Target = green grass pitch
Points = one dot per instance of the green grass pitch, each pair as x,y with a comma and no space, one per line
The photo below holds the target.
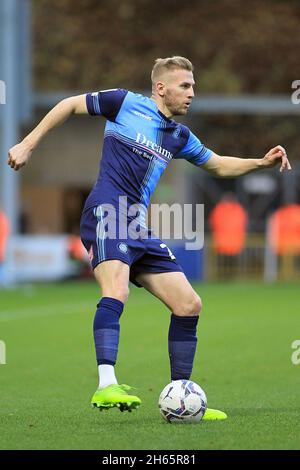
243,363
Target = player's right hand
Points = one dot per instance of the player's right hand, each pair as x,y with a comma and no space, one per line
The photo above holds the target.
19,155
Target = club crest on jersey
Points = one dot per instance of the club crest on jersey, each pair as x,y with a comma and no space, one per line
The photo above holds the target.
176,132
123,247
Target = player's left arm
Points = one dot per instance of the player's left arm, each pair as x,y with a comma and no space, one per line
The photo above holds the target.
229,167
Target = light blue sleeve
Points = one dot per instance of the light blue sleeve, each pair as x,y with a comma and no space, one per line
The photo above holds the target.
194,151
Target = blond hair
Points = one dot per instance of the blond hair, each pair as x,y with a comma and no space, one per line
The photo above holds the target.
170,63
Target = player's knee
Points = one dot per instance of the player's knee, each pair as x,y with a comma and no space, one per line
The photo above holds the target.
122,293
194,306
191,307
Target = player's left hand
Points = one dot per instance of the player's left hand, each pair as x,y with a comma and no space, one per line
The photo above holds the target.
274,156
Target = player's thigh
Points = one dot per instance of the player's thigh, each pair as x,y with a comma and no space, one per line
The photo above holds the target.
113,278
174,290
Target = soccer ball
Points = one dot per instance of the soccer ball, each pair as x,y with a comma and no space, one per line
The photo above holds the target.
182,401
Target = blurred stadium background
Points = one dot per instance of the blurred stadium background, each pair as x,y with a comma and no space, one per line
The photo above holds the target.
244,70
246,59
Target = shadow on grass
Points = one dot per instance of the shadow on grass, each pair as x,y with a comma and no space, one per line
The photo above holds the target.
237,412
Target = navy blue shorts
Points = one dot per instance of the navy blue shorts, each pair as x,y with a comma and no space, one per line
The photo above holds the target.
143,255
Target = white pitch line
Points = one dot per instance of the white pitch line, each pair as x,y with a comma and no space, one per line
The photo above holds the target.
54,309
45,310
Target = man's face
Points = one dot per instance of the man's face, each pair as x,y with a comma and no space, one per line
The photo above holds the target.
178,90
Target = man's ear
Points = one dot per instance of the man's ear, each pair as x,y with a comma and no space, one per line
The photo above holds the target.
160,88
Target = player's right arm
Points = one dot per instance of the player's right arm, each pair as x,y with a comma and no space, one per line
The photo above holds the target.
19,155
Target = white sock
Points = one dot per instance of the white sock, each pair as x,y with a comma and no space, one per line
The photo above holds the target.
106,375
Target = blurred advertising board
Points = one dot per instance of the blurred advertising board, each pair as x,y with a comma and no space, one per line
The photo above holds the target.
37,258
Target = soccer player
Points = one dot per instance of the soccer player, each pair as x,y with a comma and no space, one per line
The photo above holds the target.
140,140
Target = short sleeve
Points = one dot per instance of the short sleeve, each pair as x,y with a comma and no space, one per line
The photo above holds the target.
194,151
106,103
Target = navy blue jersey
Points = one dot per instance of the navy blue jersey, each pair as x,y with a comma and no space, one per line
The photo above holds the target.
139,143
